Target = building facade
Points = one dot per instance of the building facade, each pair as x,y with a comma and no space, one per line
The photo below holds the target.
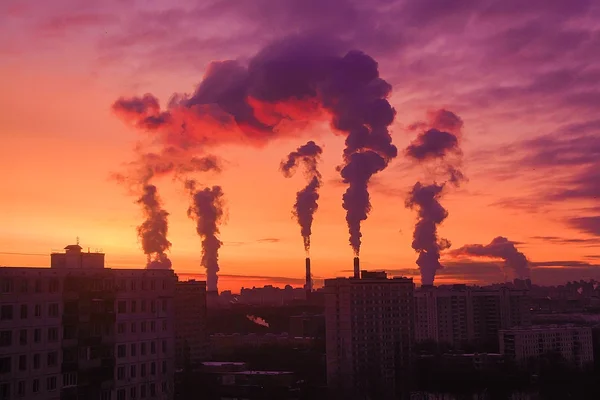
191,336
573,343
461,315
78,330
369,335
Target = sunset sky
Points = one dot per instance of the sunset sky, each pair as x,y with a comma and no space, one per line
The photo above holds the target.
524,76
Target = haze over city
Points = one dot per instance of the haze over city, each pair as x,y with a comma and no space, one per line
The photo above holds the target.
496,118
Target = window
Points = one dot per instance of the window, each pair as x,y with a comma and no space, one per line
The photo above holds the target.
133,327
143,305
164,346
52,334
132,393
6,285
23,311
121,351
23,362
152,326
152,306
105,395
23,337
133,306
36,361
133,286
122,307
5,365
37,311
133,349
121,394
21,389
132,371
164,387
120,373
37,335
152,389
70,379
152,347
164,325
152,284
164,284
143,285
51,383
6,312
164,305
121,327
23,286
52,359
38,286
143,348
5,338
164,367
143,327
53,286
143,391
36,386
53,310
152,368
143,370
4,391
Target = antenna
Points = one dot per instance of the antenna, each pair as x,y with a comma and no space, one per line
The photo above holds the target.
77,240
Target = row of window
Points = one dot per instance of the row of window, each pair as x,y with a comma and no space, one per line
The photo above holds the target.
144,326
21,285
141,370
6,364
143,391
21,390
144,306
7,311
7,338
144,349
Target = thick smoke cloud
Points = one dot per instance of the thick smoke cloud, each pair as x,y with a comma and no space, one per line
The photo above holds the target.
437,142
501,248
306,199
425,199
296,79
153,231
207,211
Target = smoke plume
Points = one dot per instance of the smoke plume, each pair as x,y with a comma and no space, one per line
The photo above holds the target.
207,211
258,320
501,248
437,142
295,80
425,199
153,231
306,199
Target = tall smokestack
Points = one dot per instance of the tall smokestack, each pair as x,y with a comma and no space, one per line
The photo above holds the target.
356,268
308,285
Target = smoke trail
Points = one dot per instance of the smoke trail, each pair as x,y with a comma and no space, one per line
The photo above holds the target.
425,198
437,142
207,211
297,79
306,199
501,248
153,231
258,320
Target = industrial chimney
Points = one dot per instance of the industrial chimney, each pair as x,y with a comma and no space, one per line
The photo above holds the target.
356,268
308,285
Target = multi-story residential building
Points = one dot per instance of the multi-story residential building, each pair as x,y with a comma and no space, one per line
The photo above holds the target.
460,314
574,343
78,330
369,335
191,337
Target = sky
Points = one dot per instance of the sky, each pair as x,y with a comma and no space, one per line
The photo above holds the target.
524,78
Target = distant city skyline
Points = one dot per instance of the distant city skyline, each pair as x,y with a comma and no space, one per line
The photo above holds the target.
523,90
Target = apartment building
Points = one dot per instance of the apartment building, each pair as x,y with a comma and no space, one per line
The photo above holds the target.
369,335
78,330
574,343
191,336
460,314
